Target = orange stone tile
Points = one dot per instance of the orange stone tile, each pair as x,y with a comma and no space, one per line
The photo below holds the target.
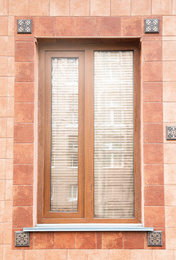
141,254
11,48
169,91
2,189
10,66
23,153
3,66
18,7
153,133
23,175
120,7
8,190
24,112
169,71
112,240
64,240
59,7
154,195
154,216
10,107
85,240
153,153
8,211
24,72
10,89
133,240
7,233
3,87
9,147
170,174
161,7
34,255
2,211
169,114
65,26
152,50
99,9
153,174
109,26
169,25
140,7
99,240
79,7
89,29
43,240
170,238
3,127
77,254
11,26
10,254
22,195
98,254
3,145
4,7
10,126
2,169
24,92
152,113
45,26
39,7
163,255
56,254
169,50
170,213
118,254
24,51
169,153
4,45
23,133
170,195
22,217
152,71
9,169
131,26
3,25
152,92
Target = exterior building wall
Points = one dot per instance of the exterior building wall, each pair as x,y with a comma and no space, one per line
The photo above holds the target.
18,106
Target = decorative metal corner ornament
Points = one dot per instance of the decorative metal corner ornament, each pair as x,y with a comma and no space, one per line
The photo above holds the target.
154,238
151,25
24,26
22,238
170,132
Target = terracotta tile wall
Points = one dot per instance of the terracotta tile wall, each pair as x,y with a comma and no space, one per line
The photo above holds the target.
158,57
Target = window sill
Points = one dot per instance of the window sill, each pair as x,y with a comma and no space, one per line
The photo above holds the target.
87,227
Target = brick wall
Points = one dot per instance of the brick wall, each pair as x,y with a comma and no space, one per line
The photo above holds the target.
17,87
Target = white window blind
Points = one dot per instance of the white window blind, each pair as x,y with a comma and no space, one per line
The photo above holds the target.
64,143
113,134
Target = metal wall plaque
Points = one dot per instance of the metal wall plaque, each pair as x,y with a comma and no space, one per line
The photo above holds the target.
171,132
24,26
151,25
22,238
154,238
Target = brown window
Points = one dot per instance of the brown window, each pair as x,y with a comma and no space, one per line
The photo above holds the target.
89,131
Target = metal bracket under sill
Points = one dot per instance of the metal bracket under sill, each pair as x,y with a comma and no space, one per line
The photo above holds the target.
87,227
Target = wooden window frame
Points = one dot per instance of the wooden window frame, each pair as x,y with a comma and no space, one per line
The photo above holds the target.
84,48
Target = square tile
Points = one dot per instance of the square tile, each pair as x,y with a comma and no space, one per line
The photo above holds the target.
22,238
151,25
24,26
154,238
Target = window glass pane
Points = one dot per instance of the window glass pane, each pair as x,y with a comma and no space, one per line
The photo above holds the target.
113,134
64,143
